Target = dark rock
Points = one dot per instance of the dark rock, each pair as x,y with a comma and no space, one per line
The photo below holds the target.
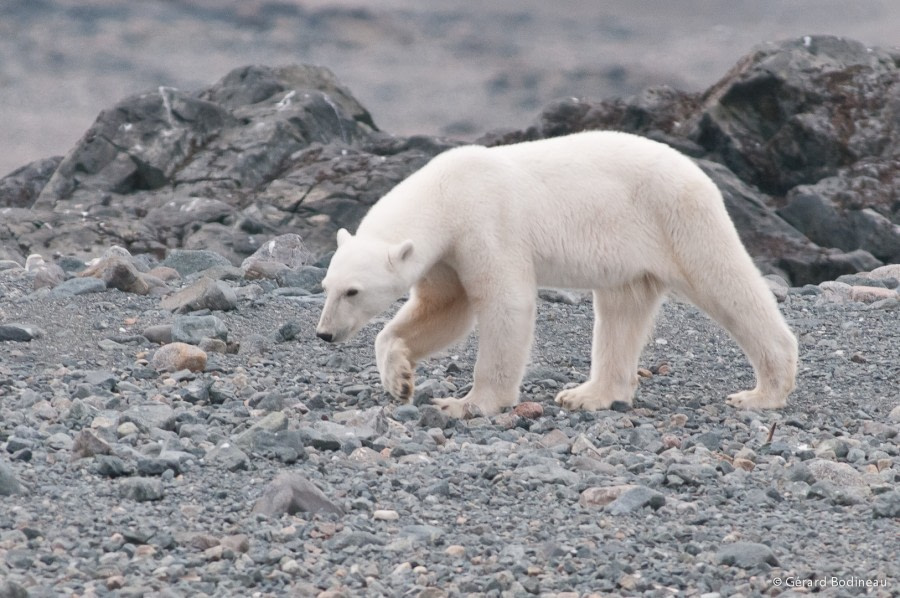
308,278
142,489
112,466
21,333
794,112
887,505
79,286
22,186
292,493
288,332
160,334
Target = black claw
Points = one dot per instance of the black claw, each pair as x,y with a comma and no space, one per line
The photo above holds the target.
405,390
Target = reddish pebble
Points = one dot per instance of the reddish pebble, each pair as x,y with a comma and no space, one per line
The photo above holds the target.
529,410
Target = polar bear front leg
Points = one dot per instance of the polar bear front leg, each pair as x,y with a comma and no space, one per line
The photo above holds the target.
622,321
505,334
437,314
394,365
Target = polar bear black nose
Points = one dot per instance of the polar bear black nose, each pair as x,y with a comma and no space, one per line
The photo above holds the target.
325,336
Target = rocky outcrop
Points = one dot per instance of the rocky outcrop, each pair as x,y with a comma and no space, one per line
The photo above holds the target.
261,152
803,138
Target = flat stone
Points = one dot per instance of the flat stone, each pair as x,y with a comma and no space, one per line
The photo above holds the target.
142,489
292,493
746,555
193,329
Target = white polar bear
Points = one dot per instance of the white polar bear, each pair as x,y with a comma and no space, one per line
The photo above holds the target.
477,230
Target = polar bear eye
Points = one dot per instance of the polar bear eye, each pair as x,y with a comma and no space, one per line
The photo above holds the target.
351,293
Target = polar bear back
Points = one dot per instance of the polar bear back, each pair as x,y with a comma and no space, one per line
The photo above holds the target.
586,210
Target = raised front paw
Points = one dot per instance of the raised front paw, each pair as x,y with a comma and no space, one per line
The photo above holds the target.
396,371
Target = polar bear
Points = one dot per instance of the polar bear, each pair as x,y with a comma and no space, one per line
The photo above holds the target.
475,232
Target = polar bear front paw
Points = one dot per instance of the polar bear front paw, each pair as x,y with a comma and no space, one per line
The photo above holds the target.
457,408
754,399
397,371
587,397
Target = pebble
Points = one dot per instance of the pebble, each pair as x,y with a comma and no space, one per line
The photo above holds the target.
292,493
179,356
142,489
746,555
385,515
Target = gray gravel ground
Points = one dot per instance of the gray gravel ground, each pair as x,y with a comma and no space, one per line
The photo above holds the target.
680,495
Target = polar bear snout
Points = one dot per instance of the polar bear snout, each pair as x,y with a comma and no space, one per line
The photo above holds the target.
325,336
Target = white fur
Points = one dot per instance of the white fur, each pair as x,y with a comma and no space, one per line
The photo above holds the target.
477,230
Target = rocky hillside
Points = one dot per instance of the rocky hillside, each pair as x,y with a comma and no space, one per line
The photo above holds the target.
803,137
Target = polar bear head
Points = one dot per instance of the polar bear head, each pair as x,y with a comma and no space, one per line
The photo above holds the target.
364,279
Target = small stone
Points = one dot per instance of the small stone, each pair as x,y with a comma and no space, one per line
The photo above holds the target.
601,496
142,489
308,278
79,286
9,485
635,499
292,493
228,457
127,429
746,555
456,551
385,515
887,505
529,410
175,357
894,415
21,333
118,273
160,334
644,373
213,345
206,293
87,445
745,464
193,329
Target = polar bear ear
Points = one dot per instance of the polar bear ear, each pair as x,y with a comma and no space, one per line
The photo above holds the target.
400,252
343,236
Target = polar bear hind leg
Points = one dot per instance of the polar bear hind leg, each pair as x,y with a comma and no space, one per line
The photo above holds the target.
623,318
719,277
437,314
